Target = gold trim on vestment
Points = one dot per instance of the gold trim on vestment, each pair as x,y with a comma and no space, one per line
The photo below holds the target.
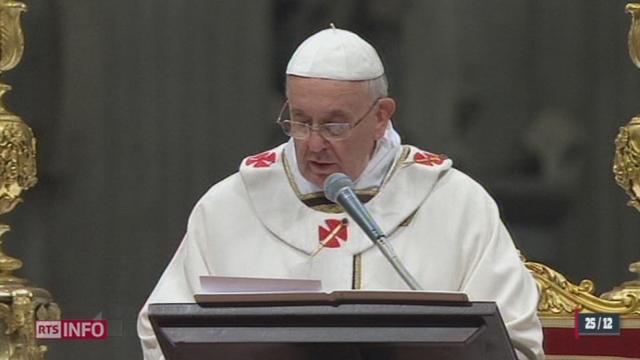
285,165
408,220
357,272
405,153
370,191
328,208
331,208
335,208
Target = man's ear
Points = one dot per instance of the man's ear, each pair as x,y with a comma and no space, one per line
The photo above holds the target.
386,109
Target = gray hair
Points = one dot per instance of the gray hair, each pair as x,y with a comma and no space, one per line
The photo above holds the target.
377,88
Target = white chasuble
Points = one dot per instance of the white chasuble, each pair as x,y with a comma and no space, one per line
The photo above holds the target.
444,227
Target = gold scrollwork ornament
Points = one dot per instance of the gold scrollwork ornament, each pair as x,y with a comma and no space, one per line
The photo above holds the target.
560,297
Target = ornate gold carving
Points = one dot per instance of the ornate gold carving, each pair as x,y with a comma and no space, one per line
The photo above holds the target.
20,306
19,316
627,288
11,39
560,297
626,162
17,144
8,264
17,160
634,33
20,303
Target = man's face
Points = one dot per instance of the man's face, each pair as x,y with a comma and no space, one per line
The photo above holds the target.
318,101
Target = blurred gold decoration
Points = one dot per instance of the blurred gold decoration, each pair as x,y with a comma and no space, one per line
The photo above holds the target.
20,303
560,297
626,162
634,33
628,287
11,39
20,310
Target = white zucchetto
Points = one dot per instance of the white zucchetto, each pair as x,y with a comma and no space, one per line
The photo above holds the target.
336,54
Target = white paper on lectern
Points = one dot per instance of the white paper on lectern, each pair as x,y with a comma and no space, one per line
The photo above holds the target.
228,284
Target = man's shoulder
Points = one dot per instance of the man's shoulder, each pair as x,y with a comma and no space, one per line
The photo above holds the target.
263,160
462,181
225,186
233,186
452,182
463,191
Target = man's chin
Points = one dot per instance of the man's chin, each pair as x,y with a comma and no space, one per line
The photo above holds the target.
318,178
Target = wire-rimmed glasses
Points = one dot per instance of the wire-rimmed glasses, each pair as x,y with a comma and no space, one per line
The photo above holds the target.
330,130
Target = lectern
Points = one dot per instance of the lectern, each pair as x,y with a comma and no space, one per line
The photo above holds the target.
291,326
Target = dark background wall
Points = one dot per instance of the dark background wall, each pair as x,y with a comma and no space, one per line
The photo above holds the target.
139,106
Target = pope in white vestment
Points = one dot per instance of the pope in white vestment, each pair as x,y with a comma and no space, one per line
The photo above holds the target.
269,219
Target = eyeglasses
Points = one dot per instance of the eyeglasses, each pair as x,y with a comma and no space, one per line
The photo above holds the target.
330,131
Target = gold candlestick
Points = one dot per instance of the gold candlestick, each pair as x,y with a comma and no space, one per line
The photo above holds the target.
20,303
626,163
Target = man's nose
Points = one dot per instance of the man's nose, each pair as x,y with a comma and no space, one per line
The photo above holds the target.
316,142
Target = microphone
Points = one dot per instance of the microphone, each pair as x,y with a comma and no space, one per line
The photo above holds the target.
338,188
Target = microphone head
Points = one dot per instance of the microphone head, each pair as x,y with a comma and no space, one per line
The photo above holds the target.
334,183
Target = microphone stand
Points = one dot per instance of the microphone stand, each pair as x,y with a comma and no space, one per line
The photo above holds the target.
391,256
338,188
362,217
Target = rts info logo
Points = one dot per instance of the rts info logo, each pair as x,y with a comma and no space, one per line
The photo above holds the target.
72,329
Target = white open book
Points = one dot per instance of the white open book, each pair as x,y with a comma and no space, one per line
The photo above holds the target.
223,289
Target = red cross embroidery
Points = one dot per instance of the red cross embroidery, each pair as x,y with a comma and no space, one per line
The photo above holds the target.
328,236
428,159
264,159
